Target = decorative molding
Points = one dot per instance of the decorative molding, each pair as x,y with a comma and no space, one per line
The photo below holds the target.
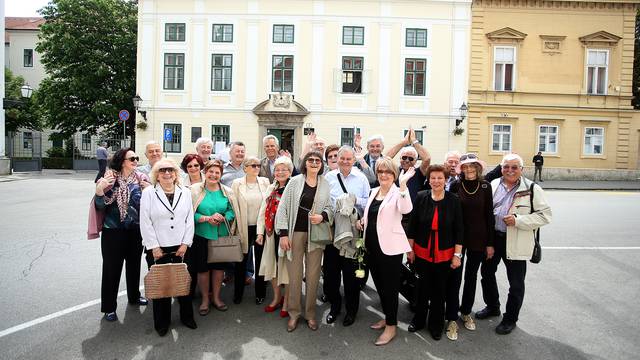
552,44
506,35
600,38
563,5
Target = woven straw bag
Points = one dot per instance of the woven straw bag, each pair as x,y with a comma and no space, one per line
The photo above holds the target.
167,280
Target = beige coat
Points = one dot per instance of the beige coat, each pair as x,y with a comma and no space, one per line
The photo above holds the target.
269,267
239,188
198,193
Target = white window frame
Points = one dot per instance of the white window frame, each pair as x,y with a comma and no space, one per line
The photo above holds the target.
357,128
501,142
546,141
180,138
586,73
417,131
584,141
513,71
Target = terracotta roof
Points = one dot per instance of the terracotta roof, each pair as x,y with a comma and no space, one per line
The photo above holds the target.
21,23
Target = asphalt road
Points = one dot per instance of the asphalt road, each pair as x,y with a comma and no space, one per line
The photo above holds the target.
581,301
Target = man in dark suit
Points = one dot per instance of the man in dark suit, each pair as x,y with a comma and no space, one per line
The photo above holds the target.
538,161
271,146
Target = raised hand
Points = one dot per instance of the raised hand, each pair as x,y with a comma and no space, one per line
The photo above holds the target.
406,176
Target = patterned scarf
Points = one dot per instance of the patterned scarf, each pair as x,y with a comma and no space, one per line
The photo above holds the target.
272,207
122,193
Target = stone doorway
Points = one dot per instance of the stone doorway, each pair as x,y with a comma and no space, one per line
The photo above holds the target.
283,117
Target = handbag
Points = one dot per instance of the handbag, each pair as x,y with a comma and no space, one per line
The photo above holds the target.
320,234
537,249
225,249
167,280
409,284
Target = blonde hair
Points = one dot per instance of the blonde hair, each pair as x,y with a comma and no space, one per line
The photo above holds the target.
165,163
250,160
386,163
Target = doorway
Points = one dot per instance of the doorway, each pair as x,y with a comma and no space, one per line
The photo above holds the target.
285,137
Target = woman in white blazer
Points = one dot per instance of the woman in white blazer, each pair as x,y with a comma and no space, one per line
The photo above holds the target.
166,225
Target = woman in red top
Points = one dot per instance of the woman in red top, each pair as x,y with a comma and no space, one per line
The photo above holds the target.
437,248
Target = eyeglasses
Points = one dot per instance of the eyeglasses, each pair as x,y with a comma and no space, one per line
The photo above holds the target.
133,158
382,172
166,170
468,156
255,166
314,161
193,166
407,158
332,156
512,167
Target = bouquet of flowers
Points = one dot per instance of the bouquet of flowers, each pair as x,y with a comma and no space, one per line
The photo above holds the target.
360,251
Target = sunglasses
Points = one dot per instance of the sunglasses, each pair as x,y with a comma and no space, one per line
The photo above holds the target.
468,156
133,158
382,172
193,166
512,167
407,158
167,170
314,161
332,156
255,166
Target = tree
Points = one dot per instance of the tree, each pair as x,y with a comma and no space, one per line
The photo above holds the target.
88,49
24,115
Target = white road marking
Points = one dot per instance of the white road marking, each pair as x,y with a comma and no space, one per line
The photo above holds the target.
591,247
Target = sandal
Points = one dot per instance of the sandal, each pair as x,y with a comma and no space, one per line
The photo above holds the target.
222,307
203,311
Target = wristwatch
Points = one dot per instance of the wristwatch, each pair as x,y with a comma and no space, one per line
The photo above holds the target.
415,142
458,255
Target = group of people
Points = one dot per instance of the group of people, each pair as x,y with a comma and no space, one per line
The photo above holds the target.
319,218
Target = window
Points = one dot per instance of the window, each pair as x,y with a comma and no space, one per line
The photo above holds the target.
172,138
347,135
419,135
86,142
173,71
283,34
414,76
593,141
27,140
196,133
221,66
57,142
28,58
222,33
548,139
501,138
503,60
174,32
220,133
597,63
352,74
353,35
282,73
416,38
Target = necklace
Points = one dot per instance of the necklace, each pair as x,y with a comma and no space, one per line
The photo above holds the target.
252,186
467,191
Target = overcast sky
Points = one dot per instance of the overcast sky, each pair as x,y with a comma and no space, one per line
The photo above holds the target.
23,7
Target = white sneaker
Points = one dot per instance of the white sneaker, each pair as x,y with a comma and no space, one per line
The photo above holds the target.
469,324
452,331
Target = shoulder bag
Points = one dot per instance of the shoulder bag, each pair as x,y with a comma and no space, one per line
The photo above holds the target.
320,234
226,248
537,249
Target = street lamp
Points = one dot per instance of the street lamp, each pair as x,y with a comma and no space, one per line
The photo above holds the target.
137,100
26,91
464,110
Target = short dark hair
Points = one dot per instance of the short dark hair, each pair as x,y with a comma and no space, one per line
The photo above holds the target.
118,158
214,163
303,162
437,168
189,158
330,148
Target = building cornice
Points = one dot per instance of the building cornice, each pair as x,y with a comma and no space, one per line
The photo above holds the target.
557,4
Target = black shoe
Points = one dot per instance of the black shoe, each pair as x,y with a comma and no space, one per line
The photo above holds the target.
436,335
162,331
348,320
191,324
141,301
505,327
487,312
259,300
331,318
413,327
324,298
237,300
112,316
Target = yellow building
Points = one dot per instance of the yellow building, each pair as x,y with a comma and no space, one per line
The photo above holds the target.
238,70
555,77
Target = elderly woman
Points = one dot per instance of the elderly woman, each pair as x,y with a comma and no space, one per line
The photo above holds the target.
204,147
118,195
166,224
386,241
331,156
305,203
192,165
477,210
250,191
272,266
435,234
212,204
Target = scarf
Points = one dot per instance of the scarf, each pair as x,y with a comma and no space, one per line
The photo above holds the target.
272,207
121,193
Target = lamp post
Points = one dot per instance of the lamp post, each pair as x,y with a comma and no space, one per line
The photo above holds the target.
464,110
137,101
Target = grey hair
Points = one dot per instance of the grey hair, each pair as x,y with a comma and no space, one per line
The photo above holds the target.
272,137
345,148
235,143
375,137
410,149
510,157
283,160
150,142
451,153
203,140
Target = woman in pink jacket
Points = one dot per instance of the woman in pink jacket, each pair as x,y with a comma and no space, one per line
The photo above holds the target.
386,241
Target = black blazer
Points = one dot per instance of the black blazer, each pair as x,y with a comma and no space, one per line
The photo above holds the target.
450,225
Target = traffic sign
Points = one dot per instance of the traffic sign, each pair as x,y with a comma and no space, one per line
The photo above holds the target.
123,115
168,134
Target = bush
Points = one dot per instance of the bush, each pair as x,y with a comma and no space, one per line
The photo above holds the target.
55,152
57,163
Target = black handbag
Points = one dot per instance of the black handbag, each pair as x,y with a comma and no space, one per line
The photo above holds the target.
409,284
537,249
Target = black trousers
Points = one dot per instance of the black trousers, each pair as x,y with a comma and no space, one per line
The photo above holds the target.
433,288
516,273
118,246
336,267
474,259
162,307
453,292
102,167
537,171
241,268
385,271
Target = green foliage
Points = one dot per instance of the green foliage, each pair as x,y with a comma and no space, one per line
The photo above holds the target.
55,152
25,114
88,49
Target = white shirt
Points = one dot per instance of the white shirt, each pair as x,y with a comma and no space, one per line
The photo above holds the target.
356,183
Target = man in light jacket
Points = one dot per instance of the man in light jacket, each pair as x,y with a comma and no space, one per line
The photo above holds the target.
515,228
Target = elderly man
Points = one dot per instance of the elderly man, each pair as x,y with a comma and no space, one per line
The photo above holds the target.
153,152
204,147
367,163
515,226
451,161
345,180
314,143
409,149
271,146
233,169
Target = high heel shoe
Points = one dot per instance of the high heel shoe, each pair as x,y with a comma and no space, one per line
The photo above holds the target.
284,313
273,308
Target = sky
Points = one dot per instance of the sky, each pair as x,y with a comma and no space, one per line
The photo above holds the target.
23,8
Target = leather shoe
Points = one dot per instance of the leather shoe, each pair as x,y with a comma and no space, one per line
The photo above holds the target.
505,327
413,327
112,316
331,318
141,301
259,300
312,324
190,323
436,335
284,313
292,324
162,331
237,300
324,298
487,312
348,320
